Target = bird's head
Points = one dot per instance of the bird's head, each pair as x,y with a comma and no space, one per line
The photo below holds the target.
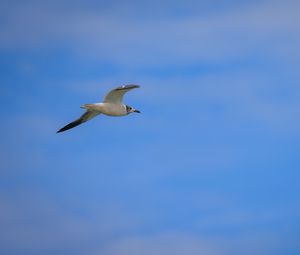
129,109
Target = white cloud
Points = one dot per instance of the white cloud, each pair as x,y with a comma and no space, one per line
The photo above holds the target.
237,33
167,244
177,243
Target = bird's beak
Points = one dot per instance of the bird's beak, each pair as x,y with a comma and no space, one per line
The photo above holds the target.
136,111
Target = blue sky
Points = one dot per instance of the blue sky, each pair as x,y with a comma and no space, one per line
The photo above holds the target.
211,166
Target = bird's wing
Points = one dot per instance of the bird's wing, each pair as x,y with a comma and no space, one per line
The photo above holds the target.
116,95
83,118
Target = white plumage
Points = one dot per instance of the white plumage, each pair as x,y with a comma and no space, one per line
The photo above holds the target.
112,106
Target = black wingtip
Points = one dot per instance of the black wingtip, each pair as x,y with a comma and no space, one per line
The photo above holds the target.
71,125
134,85
61,130
129,86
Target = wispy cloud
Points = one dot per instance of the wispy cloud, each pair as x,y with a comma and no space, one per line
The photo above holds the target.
261,28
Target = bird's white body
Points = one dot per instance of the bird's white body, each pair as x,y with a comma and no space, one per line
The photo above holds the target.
112,106
110,109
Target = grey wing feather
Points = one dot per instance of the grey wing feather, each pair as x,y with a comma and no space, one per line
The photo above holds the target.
116,95
83,118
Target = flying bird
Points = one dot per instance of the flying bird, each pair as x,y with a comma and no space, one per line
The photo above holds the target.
112,106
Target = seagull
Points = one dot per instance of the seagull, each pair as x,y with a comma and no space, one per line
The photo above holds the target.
112,106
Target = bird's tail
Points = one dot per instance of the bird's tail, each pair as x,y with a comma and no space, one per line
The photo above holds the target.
86,106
